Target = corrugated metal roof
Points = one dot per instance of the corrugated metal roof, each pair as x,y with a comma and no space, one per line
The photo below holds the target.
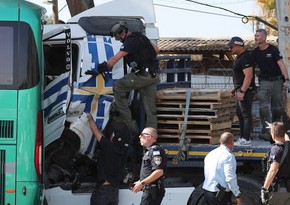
199,45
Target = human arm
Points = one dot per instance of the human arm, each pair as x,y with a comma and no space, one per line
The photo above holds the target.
248,72
155,48
230,166
156,174
283,68
274,167
113,60
94,128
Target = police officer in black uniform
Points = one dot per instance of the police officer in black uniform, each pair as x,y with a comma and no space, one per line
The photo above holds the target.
153,169
278,176
111,162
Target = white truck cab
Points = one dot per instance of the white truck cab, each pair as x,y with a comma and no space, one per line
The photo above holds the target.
70,50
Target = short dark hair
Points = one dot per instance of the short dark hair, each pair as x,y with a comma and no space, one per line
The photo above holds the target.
278,129
263,31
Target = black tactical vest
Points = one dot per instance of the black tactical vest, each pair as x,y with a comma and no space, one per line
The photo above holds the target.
146,54
284,170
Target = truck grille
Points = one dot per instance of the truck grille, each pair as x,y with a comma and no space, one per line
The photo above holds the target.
6,129
2,176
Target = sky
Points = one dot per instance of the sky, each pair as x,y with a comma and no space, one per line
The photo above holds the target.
184,18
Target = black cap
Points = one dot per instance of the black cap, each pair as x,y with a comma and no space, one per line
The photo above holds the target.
235,41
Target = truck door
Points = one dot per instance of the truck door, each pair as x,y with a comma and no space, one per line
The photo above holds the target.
58,79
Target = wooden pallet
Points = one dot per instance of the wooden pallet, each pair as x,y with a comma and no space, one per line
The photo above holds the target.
210,113
197,139
179,94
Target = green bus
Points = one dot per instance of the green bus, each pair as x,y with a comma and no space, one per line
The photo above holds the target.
21,62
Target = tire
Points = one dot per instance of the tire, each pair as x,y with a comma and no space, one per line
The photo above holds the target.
250,188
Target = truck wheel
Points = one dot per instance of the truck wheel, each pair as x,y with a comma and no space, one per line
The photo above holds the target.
250,188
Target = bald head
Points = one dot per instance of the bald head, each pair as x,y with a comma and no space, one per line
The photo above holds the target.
151,131
226,138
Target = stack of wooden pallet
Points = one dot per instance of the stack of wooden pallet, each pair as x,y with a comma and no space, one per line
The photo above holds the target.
209,113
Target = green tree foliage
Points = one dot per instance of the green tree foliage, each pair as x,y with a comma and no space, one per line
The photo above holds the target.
268,13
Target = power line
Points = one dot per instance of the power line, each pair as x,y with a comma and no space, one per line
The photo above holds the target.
216,7
212,1
198,11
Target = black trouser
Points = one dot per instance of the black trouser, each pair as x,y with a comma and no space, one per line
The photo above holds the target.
244,113
210,198
105,195
147,198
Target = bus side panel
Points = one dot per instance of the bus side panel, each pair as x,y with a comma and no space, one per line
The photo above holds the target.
9,11
22,187
28,108
7,174
34,20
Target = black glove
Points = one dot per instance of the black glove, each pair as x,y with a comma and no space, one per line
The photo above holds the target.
91,72
102,67
264,195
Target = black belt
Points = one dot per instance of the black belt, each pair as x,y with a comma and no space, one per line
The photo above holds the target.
215,192
272,78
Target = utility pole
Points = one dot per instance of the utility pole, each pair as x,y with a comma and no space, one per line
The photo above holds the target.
55,19
54,3
78,6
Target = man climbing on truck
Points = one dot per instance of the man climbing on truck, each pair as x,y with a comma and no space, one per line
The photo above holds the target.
140,54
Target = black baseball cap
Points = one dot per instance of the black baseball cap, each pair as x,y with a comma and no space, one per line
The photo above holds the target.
235,41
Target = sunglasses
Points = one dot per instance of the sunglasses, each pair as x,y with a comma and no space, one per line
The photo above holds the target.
143,134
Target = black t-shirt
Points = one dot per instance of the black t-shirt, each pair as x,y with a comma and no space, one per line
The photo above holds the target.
276,152
139,50
267,61
243,61
154,158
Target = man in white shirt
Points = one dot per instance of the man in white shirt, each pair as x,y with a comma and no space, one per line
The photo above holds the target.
220,173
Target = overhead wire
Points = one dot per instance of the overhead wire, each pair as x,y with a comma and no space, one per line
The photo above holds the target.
245,19
216,7
198,11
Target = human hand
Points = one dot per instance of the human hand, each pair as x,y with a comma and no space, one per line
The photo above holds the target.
138,186
239,201
233,91
240,96
286,137
264,195
287,84
90,117
102,67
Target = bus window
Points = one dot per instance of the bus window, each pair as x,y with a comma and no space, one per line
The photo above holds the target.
19,65
6,55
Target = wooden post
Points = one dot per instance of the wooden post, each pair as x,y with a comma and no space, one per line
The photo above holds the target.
78,6
55,19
